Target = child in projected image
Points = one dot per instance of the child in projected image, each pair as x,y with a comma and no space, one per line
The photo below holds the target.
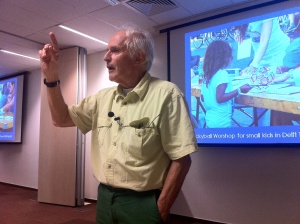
290,71
217,93
9,106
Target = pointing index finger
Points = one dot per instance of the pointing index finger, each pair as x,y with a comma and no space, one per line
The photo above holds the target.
54,42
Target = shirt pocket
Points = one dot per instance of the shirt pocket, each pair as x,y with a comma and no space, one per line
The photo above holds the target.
104,125
139,141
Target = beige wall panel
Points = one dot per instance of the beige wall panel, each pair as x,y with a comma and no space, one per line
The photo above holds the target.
57,153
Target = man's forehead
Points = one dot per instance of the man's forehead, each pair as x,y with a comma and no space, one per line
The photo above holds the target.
118,37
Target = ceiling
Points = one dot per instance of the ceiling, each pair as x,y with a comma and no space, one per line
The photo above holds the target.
25,24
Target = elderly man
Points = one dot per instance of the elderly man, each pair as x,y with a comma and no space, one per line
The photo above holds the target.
141,131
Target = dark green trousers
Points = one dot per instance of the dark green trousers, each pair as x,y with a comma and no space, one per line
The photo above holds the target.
123,206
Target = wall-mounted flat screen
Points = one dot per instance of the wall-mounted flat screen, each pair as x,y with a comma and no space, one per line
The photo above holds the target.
11,101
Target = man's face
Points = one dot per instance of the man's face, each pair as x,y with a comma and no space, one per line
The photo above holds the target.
118,61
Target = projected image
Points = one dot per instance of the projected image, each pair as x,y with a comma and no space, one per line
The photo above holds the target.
246,75
7,108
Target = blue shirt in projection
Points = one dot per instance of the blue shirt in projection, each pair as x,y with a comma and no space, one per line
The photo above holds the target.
277,44
2,99
218,115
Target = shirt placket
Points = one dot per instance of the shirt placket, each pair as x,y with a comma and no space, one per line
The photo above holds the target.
119,108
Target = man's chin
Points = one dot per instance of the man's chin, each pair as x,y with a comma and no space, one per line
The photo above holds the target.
113,79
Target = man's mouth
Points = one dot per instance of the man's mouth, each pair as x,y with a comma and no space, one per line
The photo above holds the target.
110,68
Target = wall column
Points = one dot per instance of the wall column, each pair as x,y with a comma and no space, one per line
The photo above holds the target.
61,152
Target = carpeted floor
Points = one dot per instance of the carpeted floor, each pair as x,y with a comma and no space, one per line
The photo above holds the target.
19,206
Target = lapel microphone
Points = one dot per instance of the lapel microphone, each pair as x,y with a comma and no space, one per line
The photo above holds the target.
112,114
138,124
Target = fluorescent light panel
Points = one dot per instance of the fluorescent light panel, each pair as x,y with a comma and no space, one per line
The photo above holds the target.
82,34
21,55
112,2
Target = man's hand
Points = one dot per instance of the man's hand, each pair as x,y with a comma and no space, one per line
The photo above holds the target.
175,178
49,59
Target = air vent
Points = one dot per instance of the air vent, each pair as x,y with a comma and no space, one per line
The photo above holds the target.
151,7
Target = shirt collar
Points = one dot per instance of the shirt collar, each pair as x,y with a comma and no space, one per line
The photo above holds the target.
140,89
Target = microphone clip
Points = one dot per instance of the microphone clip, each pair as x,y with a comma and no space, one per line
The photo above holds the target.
112,114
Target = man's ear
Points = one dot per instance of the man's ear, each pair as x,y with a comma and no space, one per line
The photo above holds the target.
140,58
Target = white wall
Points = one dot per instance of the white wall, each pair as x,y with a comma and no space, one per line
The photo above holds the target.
229,185
243,186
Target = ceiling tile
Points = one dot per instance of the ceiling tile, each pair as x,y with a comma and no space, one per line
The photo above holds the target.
199,6
46,9
119,15
14,64
67,39
169,16
87,5
17,15
241,1
15,29
93,27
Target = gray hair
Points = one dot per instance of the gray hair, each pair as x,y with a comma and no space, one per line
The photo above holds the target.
139,40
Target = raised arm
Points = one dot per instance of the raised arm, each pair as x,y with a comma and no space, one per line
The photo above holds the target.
49,64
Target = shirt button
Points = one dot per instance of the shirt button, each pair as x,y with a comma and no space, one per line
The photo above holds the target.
108,166
114,144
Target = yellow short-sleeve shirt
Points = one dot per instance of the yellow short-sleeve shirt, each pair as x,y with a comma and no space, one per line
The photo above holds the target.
150,126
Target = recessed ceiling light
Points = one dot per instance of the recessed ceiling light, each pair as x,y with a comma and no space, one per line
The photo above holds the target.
112,2
82,34
21,55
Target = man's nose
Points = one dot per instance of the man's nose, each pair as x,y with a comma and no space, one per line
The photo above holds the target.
107,56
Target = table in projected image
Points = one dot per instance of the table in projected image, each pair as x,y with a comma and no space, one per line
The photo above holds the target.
6,121
278,97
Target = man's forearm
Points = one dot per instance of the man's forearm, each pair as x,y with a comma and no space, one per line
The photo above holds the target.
58,107
175,178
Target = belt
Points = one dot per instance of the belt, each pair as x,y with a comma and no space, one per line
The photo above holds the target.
125,190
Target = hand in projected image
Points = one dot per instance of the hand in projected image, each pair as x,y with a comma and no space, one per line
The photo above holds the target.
248,71
49,59
245,88
281,78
